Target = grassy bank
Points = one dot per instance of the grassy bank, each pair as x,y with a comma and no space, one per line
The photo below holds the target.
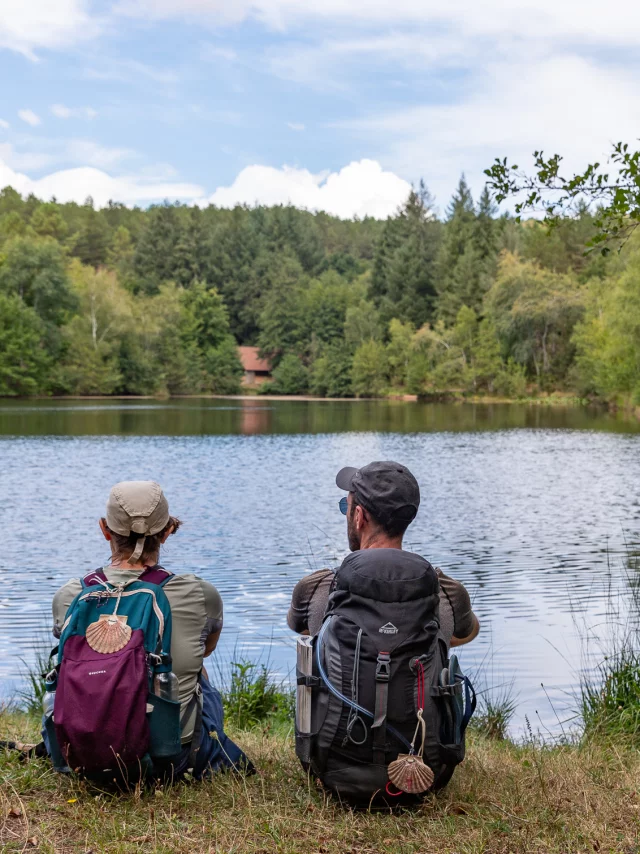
504,798
578,796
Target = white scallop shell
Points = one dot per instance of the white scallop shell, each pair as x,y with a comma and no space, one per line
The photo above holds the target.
108,634
410,774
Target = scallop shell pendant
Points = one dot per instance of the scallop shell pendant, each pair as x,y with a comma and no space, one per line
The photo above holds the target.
409,773
109,634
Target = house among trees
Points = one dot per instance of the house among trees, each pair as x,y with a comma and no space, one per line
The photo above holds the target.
256,370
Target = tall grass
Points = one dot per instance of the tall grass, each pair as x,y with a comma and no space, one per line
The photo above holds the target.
30,696
610,694
251,694
496,708
610,688
254,698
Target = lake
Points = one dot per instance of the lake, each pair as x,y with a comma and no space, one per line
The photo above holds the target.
535,509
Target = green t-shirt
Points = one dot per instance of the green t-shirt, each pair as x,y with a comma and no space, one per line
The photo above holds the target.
196,612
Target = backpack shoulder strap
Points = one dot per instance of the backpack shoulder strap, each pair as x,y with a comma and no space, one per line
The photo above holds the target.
94,578
378,727
156,575
153,575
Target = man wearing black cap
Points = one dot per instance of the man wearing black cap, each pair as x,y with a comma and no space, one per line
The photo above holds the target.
382,500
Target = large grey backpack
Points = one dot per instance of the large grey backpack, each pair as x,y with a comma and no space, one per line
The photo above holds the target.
379,658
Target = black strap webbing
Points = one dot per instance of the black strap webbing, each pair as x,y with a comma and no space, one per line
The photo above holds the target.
378,727
196,738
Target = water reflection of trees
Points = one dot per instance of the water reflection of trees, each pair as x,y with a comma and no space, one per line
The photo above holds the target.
218,416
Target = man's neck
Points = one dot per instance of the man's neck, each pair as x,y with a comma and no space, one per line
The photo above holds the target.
380,540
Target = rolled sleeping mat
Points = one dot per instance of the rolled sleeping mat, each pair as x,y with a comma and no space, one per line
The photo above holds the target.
304,668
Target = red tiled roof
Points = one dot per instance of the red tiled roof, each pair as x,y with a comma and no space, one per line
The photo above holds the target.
250,360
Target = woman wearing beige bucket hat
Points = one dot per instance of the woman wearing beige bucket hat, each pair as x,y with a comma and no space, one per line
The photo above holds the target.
136,524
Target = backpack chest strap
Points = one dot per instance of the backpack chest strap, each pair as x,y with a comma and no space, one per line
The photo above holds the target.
379,730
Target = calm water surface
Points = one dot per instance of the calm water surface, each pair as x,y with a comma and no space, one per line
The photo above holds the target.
536,510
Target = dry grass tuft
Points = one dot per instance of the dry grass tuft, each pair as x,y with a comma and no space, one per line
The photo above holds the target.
504,798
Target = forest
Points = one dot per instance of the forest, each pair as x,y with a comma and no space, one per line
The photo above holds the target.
154,302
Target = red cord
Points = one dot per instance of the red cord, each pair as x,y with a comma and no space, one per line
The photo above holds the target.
393,794
420,686
420,699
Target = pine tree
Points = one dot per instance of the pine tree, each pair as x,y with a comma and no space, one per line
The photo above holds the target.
487,228
154,259
486,242
238,267
403,280
457,276
91,243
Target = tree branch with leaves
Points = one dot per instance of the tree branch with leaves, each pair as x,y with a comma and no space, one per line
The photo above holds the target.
612,191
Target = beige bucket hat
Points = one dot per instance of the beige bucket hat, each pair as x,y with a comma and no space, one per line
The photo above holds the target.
137,507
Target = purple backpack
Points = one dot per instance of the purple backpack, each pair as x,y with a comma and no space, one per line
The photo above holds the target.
115,639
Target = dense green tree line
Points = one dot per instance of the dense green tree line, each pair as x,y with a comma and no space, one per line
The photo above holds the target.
131,301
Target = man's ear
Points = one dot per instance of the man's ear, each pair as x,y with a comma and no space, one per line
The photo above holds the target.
106,533
361,517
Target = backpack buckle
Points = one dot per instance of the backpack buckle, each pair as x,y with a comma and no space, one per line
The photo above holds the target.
383,667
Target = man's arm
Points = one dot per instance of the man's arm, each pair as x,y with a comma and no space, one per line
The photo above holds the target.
214,620
465,623
456,641
301,598
298,613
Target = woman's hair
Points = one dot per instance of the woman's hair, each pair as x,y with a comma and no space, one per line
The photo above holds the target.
124,544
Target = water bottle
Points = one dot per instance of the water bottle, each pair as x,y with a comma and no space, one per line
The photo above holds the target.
49,698
166,685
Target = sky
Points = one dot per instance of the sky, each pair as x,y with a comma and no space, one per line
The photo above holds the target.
338,105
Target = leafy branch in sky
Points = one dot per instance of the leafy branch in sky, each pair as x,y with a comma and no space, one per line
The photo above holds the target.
614,195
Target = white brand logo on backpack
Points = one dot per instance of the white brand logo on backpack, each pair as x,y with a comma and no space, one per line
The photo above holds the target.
388,629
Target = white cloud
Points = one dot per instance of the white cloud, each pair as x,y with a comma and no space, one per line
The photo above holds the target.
28,25
60,111
295,126
29,117
511,109
535,18
31,161
360,189
90,153
212,51
4,125
328,63
130,71
37,153
74,185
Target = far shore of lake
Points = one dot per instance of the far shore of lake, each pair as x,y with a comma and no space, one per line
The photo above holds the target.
553,399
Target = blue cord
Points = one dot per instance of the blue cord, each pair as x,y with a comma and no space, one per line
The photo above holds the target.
340,696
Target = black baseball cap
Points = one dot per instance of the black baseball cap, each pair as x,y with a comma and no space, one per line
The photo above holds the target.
387,490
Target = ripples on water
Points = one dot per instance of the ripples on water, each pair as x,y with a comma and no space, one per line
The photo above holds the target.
539,522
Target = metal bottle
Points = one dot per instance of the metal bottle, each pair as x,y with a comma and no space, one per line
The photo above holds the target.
166,685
